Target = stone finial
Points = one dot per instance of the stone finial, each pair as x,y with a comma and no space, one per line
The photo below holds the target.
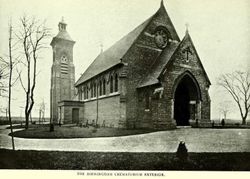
101,47
162,4
187,26
62,25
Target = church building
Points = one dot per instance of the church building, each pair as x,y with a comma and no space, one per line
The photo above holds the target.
148,79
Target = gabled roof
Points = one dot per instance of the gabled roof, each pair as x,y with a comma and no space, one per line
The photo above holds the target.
163,60
113,55
163,12
187,37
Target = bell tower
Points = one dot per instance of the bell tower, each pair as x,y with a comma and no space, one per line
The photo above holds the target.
62,70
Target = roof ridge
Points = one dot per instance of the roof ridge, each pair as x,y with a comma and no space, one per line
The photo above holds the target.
163,8
113,55
137,27
169,50
87,68
140,28
186,37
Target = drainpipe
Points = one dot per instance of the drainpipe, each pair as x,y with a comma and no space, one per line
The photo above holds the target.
172,109
96,104
199,110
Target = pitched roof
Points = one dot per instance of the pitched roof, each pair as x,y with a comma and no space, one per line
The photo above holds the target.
163,60
168,23
188,37
63,35
113,55
152,77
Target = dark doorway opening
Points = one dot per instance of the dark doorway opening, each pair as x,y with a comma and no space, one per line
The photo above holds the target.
186,93
181,105
75,115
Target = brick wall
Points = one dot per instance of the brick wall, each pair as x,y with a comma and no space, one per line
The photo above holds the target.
128,107
140,58
160,114
67,114
179,66
65,109
111,106
108,110
157,116
139,61
62,85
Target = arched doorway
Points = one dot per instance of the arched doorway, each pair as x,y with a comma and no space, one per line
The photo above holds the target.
186,98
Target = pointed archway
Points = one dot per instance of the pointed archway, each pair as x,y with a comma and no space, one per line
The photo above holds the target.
186,99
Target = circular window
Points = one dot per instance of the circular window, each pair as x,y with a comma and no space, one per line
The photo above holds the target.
161,36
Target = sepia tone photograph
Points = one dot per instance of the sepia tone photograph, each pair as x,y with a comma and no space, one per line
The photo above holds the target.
122,85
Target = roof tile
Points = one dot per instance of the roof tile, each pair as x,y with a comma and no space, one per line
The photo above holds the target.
158,66
113,55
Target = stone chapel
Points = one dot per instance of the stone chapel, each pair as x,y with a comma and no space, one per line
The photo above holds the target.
148,79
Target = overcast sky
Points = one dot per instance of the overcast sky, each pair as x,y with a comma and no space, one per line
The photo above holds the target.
220,30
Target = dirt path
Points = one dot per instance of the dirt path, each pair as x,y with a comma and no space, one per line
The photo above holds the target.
197,140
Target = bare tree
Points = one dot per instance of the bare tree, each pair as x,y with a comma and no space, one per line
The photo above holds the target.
32,36
3,82
7,73
4,74
225,108
41,112
238,85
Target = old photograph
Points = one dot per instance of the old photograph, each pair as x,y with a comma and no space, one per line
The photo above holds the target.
122,85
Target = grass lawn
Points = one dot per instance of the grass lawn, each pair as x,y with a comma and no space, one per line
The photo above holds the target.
28,159
42,132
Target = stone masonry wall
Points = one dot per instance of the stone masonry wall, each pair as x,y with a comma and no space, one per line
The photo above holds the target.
160,112
178,66
140,58
139,62
156,116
